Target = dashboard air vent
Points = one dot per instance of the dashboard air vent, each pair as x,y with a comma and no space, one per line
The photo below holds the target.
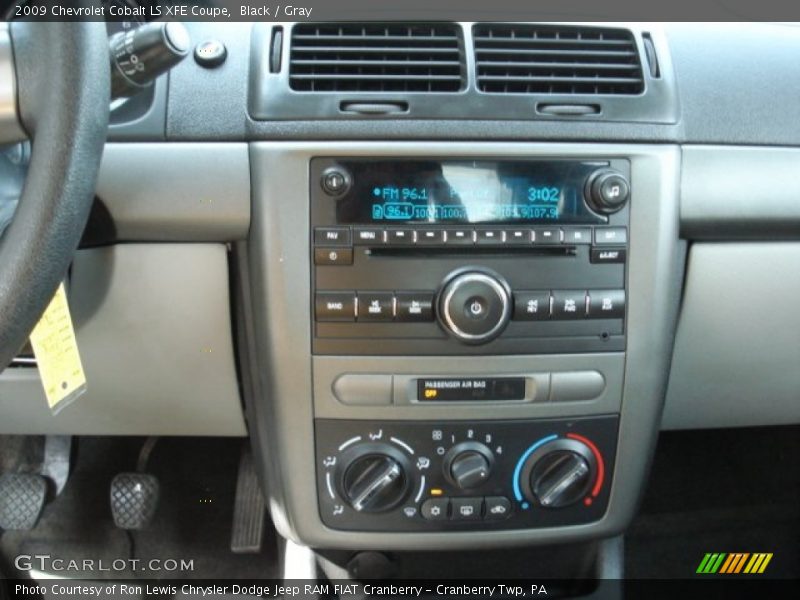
550,59
370,57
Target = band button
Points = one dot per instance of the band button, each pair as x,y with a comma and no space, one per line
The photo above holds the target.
335,306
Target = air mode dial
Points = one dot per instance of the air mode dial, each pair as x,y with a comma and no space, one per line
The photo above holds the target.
374,482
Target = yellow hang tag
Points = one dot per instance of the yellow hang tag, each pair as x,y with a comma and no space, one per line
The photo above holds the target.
56,352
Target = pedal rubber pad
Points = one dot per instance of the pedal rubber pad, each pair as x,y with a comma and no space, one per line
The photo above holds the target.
134,498
249,511
22,497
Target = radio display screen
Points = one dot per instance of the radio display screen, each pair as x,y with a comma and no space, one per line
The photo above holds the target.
458,191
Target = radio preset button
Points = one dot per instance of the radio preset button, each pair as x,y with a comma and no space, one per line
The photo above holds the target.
333,256
607,255
335,306
401,237
332,236
460,237
547,237
606,304
365,236
375,306
414,306
431,237
610,236
531,306
490,237
569,304
518,237
577,235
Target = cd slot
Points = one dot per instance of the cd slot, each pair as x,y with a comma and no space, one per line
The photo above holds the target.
472,251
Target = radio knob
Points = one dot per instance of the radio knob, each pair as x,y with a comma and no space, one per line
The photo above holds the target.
475,306
607,191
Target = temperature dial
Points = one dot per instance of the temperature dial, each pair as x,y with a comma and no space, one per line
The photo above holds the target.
558,474
375,482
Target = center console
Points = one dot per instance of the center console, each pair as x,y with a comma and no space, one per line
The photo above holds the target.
484,337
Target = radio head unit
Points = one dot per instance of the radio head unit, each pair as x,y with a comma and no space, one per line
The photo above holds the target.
454,256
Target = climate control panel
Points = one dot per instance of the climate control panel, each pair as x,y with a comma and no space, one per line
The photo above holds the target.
434,476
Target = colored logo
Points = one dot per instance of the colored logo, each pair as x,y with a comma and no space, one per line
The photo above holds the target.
734,563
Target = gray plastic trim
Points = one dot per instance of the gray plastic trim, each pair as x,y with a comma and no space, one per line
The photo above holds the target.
327,369
151,125
280,273
740,193
737,349
270,97
188,192
153,329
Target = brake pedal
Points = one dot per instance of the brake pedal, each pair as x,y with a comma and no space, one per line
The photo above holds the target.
134,498
249,512
22,498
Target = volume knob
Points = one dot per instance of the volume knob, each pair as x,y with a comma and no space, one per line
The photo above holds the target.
475,306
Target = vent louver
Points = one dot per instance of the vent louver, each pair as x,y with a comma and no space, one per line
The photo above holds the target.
376,58
549,59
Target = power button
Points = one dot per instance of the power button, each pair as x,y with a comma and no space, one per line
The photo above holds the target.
335,181
474,306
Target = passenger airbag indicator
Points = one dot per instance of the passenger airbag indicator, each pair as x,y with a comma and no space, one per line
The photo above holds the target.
468,389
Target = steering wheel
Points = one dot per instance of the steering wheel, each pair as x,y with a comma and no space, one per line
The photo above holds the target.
62,82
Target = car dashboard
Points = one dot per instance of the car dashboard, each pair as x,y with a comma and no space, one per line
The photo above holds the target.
452,300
